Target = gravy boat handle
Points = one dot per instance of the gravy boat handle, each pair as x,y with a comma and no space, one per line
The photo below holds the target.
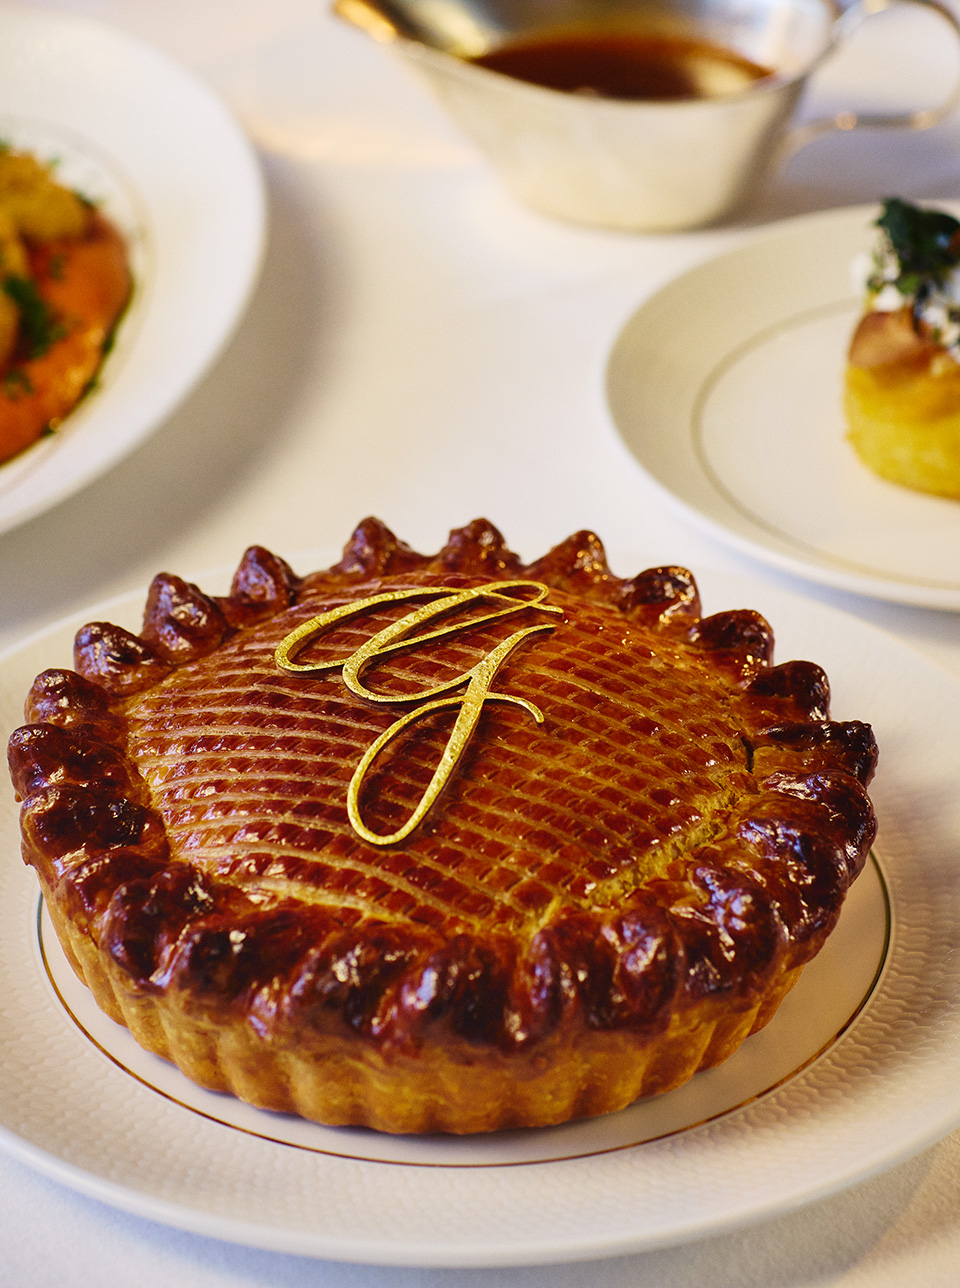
917,119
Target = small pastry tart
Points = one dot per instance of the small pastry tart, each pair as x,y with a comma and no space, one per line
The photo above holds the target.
440,843
902,383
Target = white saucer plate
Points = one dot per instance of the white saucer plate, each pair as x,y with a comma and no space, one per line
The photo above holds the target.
856,1072
161,155
726,387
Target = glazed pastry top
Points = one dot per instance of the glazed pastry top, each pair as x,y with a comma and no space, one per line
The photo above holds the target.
638,806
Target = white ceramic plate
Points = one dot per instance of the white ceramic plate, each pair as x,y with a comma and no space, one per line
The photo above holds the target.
141,135
726,387
857,1071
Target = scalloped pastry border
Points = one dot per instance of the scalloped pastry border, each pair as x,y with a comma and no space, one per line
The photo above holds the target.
394,1027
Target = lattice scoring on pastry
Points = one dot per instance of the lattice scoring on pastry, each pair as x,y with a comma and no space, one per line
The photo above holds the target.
596,905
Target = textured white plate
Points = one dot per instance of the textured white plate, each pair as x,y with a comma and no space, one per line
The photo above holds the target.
855,1073
136,132
726,387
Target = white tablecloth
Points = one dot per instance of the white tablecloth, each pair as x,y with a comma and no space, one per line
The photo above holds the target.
422,349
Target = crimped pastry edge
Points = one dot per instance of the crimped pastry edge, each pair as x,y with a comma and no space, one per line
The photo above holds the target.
342,1082
448,1082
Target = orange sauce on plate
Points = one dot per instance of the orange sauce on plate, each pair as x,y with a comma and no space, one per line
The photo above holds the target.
85,282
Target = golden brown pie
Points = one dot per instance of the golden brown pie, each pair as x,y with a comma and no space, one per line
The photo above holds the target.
448,843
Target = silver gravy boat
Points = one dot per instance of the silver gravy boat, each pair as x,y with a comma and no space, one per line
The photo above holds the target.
640,165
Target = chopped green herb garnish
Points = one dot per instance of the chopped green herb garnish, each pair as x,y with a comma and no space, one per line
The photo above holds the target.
926,244
40,329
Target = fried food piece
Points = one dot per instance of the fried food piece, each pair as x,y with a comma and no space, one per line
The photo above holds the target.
41,208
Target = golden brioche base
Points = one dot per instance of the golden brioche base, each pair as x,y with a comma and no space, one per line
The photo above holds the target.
337,1081
904,423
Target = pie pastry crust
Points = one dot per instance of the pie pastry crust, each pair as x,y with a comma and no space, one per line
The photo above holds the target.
597,904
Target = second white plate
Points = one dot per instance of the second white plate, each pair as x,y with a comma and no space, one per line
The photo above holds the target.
726,387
